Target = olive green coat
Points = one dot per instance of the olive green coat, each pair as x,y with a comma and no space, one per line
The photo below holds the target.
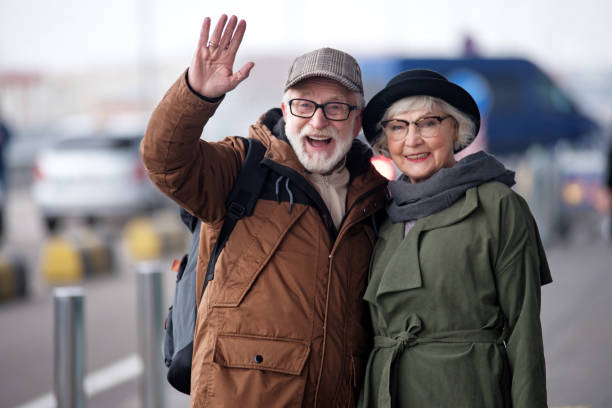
455,307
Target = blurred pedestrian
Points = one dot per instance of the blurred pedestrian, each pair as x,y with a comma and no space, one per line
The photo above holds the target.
608,191
609,168
282,324
5,138
454,289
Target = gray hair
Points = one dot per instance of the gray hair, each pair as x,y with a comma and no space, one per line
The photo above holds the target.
465,125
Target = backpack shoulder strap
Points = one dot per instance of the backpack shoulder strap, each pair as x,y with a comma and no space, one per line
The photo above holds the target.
241,200
249,182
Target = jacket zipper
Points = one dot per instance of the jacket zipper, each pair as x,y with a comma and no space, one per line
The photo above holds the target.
357,201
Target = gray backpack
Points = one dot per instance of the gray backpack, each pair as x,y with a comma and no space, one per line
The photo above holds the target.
180,323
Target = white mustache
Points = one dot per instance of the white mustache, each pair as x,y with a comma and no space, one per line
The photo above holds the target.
327,131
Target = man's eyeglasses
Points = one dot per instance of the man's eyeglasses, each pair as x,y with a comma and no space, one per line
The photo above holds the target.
304,108
427,126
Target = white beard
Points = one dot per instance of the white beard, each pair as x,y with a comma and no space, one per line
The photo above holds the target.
319,162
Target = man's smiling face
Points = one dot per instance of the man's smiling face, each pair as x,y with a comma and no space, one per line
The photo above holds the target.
320,143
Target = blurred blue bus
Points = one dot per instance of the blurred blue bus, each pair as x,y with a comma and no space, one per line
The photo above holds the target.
521,104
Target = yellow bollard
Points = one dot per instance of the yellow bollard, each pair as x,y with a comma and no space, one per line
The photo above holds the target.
142,239
97,254
61,261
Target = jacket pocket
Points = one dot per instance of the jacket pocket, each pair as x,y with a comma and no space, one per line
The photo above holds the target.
254,371
261,353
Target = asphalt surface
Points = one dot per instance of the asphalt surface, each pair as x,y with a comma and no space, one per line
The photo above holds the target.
577,324
110,316
576,320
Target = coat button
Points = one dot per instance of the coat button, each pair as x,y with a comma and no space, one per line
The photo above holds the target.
258,359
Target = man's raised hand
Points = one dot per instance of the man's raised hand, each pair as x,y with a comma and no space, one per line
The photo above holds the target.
211,71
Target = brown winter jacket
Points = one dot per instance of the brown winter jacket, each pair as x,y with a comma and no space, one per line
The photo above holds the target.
282,324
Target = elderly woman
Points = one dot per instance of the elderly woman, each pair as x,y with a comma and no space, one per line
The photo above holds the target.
454,289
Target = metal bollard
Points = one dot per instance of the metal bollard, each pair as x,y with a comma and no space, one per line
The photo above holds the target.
150,312
69,369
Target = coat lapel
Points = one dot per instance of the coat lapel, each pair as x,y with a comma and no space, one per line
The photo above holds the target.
393,268
396,265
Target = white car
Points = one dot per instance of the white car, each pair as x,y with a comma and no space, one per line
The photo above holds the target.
92,177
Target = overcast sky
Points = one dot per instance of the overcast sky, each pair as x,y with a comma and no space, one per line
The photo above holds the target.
72,35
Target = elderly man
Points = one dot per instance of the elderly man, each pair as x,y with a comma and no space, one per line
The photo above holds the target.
282,324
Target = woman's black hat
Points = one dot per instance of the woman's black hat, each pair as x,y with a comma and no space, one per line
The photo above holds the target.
418,82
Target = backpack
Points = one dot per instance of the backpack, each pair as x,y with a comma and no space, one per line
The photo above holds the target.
180,323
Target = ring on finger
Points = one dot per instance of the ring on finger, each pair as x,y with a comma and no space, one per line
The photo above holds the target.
212,44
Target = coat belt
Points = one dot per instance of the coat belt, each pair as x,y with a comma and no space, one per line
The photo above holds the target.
390,348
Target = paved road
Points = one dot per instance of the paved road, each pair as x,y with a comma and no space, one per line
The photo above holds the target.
26,326
576,318
577,324
26,350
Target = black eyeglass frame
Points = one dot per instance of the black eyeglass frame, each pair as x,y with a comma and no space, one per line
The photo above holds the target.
322,106
416,123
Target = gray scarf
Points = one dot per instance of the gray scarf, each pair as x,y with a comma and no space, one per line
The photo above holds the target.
412,201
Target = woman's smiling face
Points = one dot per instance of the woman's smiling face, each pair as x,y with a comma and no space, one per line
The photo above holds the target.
417,157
